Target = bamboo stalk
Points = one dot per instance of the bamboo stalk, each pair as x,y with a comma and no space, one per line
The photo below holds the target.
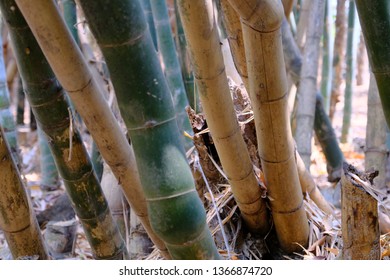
327,56
147,8
186,68
308,82
359,219
294,61
49,173
304,14
350,73
209,72
338,56
261,21
288,6
376,150
17,219
49,103
176,213
72,71
7,120
172,71
374,14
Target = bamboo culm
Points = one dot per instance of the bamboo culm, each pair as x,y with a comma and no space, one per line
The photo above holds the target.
176,213
172,70
49,103
17,218
308,86
74,74
350,72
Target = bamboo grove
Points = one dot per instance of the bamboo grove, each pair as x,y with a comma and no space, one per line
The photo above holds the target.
141,89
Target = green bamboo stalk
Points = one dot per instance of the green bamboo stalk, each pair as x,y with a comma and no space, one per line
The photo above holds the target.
375,22
186,68
17,218
328,141
172,71
327,56
70,17
147,9
376,149
97,161
7,120
350,76
49,173
175,210
49,103
20,104
308,83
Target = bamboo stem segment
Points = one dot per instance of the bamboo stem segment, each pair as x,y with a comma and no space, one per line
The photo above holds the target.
17,219
72,71
261,21
308,83
359,219
176,213
209,71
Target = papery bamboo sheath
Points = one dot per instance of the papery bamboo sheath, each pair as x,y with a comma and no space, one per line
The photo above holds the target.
72,71
359,220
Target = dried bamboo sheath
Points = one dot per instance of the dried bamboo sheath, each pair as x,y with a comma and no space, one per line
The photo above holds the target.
359,221
261,21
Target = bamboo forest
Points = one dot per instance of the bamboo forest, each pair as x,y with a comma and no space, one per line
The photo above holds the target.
194,129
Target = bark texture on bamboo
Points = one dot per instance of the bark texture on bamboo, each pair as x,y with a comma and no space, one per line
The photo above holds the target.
209,71
375,22
72,71
359,218
175,211
17,218
308,84
261,22
376,149
49,104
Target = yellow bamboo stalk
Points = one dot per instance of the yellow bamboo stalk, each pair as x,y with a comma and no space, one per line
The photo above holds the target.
261,22
202,37
234,31
72,71
17,219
